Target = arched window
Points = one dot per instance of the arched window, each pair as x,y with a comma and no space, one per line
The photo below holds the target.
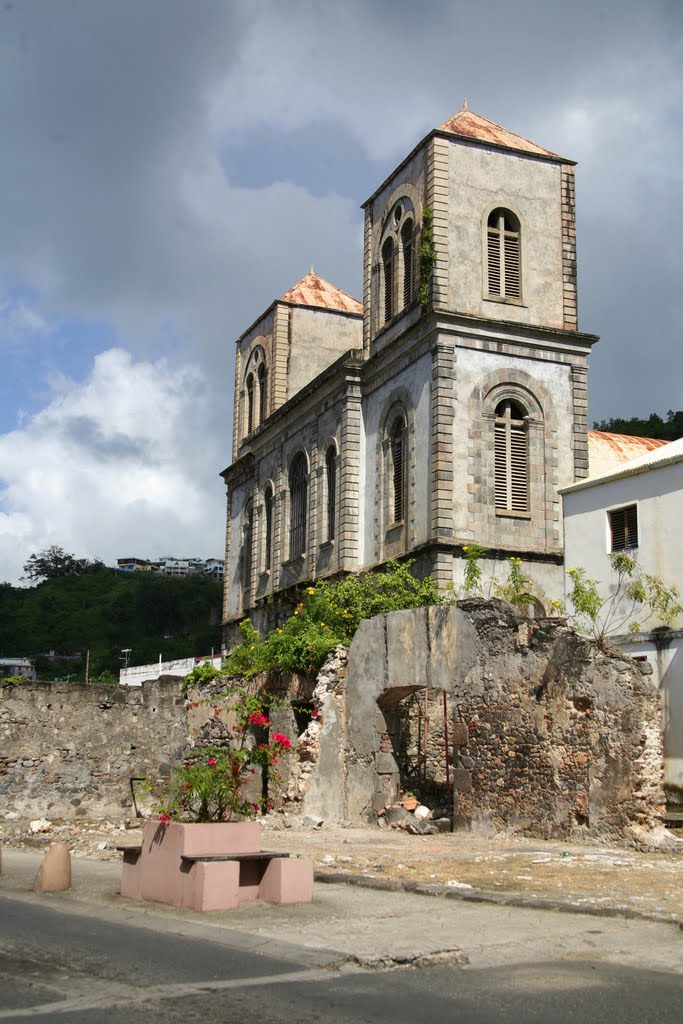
247,540
298,496
511,457
388,263
256,388
331,481
503,254
408,273
262,378
250,403
268,540
397,435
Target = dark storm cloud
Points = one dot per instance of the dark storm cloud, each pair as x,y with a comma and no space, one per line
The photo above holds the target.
171,167
84,432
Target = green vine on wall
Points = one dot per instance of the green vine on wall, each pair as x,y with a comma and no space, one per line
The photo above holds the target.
427,256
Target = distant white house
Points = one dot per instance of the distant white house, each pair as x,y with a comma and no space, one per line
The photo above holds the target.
17,667
136,675
171,566
637,508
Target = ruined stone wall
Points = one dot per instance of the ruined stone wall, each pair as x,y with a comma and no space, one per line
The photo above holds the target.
561,739
68,750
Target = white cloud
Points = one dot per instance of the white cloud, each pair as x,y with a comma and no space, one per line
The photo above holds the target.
123,464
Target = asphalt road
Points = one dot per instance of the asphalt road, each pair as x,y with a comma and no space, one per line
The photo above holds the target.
56,965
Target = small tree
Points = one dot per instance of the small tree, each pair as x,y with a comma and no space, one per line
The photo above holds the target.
55,562
634,593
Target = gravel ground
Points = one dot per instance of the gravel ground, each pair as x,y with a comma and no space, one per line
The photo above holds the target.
651,883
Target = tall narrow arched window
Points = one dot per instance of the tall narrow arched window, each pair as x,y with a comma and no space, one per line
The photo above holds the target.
247,545
262,384
503,254
250,403
388,264
298,497
408,273
331,481
511,457
268,539
397,435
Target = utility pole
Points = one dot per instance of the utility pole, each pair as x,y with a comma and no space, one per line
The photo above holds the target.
87,666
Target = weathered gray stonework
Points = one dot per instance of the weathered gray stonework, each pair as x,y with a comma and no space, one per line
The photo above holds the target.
69,750
562,740
547,736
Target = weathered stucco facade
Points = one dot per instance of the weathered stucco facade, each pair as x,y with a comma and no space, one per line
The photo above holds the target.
447,409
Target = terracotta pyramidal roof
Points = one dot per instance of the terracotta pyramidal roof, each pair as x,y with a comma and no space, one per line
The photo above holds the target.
473,126
313,290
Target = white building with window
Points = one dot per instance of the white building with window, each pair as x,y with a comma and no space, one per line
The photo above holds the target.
637,508
447,409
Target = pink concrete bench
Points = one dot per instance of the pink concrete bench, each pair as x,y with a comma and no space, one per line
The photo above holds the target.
172,870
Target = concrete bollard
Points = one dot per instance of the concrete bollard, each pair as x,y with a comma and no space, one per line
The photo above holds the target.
54,873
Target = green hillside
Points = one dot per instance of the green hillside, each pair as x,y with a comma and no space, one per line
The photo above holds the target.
104,611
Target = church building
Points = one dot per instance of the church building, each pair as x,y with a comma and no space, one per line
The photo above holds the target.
446,410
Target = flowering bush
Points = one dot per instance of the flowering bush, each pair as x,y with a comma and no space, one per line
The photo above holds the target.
209,785
328,615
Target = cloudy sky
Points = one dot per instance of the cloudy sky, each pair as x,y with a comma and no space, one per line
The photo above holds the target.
169,167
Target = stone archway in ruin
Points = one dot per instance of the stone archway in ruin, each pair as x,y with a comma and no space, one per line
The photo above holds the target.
391,658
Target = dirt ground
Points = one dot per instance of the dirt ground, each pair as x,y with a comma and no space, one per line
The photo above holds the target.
651,883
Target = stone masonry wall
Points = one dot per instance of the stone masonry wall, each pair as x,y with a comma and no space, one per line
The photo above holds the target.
552,736
69,750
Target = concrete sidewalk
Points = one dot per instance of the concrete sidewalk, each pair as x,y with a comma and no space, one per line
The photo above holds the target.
348,924
495,868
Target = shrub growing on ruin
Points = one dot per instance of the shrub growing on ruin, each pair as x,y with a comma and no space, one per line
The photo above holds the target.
328,615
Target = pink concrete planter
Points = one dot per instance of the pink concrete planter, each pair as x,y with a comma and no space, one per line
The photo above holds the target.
211,867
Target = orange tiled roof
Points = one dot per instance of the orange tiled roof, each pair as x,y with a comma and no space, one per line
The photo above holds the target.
313,290
607,451
473,126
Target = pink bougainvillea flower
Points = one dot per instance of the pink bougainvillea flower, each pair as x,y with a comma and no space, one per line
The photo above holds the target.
165,817
257,718
280,740
212,761
315,714
216,711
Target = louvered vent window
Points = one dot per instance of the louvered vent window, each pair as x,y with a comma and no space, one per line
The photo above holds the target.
250,403
298,493
268,504
511,458
624,528
388,261
397,444
262,377
331,475
407,245
503,255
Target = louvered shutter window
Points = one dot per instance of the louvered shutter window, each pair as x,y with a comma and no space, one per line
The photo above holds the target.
511,458
268,503
504,255
262,378
407,244
388,261
298,492
331,475
397,445
624,528
250,403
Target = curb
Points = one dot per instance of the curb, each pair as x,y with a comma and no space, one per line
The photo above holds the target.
486,896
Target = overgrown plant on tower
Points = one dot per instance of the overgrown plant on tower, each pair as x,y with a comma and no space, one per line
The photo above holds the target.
427,256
